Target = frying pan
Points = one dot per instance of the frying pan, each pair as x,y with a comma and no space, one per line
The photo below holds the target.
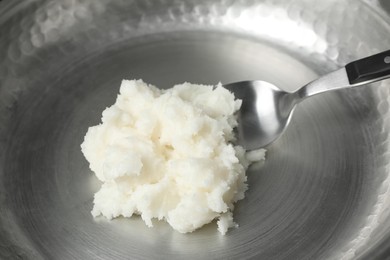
323,191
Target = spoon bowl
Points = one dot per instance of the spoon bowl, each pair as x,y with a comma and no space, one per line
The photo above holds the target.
265,112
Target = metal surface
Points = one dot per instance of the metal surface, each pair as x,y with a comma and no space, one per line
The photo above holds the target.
266,109
323,192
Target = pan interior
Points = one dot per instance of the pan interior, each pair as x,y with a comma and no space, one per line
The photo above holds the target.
321,192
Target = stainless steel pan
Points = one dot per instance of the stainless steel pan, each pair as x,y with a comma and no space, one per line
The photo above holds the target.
323,192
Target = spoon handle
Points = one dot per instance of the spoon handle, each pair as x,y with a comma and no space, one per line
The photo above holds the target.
356,73
369,69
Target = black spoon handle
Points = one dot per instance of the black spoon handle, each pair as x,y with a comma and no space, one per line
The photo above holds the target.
370,69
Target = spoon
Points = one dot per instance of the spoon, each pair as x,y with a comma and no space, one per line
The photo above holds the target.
266,110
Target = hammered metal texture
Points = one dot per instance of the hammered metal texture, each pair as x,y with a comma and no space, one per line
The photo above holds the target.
323,192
